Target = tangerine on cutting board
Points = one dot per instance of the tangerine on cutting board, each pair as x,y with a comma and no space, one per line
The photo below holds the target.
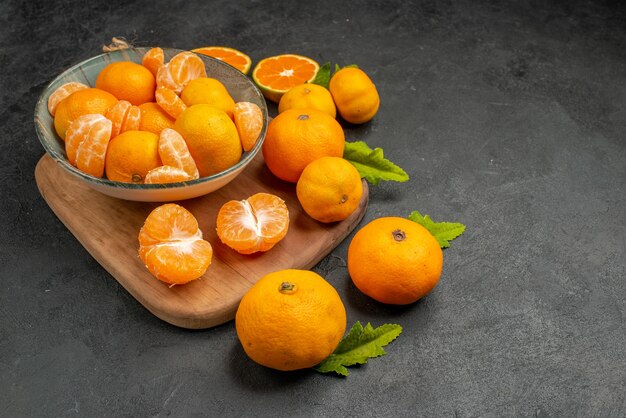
298,137
127,80
230,56
308,96
211,136
248,119
179,71
394,260
171,245
290,319
81,102
131,155
278,74
253,224
61,93
329,189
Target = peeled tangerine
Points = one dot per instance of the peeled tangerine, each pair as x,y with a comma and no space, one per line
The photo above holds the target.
253,224
171,245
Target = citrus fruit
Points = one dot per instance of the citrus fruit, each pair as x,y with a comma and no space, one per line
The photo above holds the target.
171,245
86,143
81,102
308,96
127,80
174,152
205,90
153,118
179,71
211,137
248,119
278,74
169,101
131,155
153,59
61,93
290,319
354,94
132,119
394,260
329,189
298,137
117,115
253,224
231,56
166,174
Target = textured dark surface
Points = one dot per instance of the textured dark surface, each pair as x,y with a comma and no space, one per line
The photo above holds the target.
509,117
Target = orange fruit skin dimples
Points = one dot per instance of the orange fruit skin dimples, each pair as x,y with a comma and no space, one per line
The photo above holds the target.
171,245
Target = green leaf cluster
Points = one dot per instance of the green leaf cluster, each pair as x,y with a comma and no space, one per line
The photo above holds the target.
372,164
442,231
361,344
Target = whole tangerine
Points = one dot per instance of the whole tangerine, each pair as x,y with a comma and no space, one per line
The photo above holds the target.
298,137
394,260
290,319
129,81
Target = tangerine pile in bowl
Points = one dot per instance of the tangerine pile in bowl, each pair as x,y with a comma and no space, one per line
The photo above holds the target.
239,87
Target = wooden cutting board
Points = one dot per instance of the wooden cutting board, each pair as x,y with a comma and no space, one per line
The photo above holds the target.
108,228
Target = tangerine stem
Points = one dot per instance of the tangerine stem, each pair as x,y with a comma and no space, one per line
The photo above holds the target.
399,235
287,288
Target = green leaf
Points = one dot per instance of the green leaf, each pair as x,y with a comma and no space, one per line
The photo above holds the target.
372,164
358,346
337,67
442,231
322,78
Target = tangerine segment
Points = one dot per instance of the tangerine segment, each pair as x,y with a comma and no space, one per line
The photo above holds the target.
181,69
230,56
277,75
174,152
249,122
77,132
61,93
254,224
166,174
131,120
91,153
153,59
170,102
171,245
117,114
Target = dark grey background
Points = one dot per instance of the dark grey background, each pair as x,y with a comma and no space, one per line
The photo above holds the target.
509,117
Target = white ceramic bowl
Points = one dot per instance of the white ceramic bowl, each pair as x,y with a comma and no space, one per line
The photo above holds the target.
240,87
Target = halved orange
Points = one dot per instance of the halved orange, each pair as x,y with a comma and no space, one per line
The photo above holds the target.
253,224
277,75
171,245
231,56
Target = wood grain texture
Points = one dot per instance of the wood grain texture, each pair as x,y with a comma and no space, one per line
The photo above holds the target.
108,229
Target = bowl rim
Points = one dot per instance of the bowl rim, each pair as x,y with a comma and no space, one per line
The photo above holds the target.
62,159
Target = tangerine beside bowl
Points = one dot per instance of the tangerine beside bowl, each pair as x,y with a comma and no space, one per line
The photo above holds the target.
240,87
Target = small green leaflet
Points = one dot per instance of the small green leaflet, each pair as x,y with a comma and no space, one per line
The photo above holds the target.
322,78
358,346
442,231
372,164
